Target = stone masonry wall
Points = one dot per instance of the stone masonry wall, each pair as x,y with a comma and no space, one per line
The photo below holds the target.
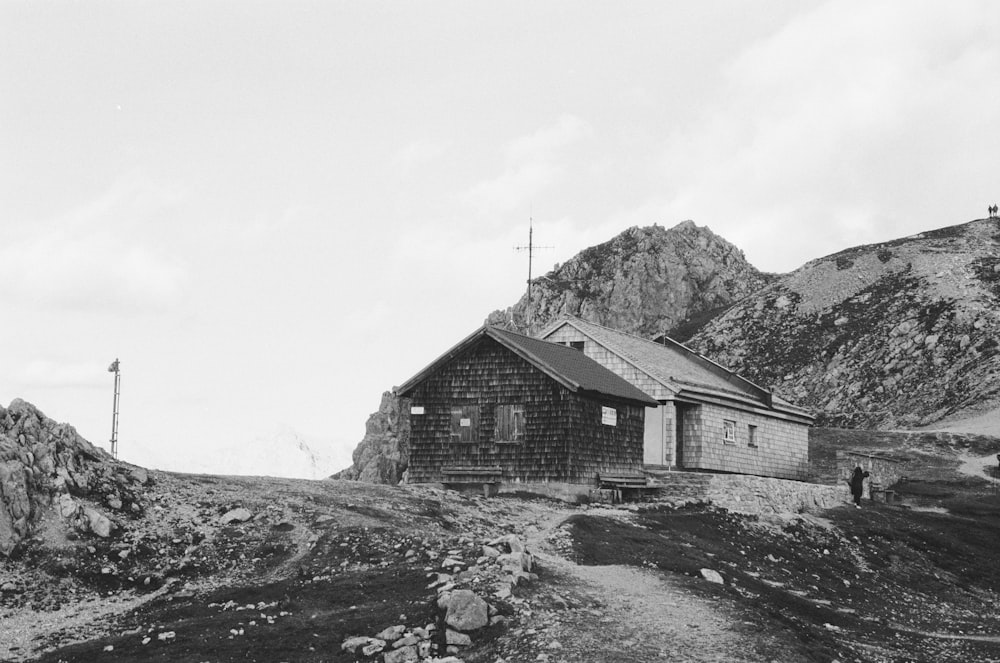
782,448
766,495
882,471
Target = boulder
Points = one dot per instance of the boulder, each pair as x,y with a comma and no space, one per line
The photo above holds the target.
97,522
238,515
407,654
515,561
466,611
392,633
712,576
354,643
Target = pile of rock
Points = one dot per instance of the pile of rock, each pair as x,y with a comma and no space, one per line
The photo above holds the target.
463,612
47,467
398,644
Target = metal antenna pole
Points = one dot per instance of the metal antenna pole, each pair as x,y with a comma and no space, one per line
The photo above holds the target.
530,248
113,368
531,253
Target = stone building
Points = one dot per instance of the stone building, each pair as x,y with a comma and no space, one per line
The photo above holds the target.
706,417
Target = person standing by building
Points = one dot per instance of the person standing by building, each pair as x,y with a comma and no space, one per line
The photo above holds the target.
857,484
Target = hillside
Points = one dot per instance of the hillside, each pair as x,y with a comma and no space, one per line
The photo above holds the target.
646,281
200,567
897,334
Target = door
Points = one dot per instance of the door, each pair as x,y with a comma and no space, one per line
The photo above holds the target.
654,450
464,437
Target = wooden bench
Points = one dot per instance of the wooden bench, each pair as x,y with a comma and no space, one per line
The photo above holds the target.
487,477
622,480
619,483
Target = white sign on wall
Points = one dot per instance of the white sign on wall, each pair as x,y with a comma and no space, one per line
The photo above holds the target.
609,416
417,409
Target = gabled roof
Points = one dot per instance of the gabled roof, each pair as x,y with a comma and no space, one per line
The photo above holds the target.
676,366
567,366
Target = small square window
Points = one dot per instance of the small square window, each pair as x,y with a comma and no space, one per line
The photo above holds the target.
751,435
576,345
729,431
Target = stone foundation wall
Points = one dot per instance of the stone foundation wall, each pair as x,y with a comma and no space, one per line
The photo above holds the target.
882,471
766,495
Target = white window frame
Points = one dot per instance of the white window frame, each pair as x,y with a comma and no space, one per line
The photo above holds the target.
728,431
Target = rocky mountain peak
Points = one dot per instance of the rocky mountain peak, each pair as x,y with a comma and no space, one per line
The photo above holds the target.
646,281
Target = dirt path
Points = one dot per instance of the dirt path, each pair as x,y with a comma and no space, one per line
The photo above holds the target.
645,615
987,423
977,466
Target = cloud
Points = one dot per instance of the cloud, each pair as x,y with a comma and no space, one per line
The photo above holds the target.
542,144
63,269
106,254
46,373
531,165
848,123
419,153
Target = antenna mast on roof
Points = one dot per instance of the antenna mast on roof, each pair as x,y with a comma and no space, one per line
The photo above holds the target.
530,248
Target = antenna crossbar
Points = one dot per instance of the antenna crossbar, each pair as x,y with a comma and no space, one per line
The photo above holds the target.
530,248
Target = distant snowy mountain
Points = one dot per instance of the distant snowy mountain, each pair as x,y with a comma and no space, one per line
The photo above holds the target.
282,453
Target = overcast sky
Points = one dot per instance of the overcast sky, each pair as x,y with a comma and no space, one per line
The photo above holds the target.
274,211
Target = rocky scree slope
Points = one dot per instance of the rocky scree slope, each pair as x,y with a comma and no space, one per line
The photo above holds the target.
901,333
646,281
47,469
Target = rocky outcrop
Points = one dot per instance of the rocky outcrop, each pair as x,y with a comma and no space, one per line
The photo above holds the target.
383,453
902,333
646,281
46,467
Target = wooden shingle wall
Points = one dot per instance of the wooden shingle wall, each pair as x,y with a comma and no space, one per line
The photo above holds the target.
564,439
782,447
616,364
601,449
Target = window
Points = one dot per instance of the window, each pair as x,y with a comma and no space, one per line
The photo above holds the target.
609,416
729,431
751,435
509,423
576,345
464,423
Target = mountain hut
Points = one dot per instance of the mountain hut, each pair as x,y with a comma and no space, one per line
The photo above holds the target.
504,408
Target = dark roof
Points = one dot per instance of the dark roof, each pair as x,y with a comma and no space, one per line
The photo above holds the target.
674,364
570,367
